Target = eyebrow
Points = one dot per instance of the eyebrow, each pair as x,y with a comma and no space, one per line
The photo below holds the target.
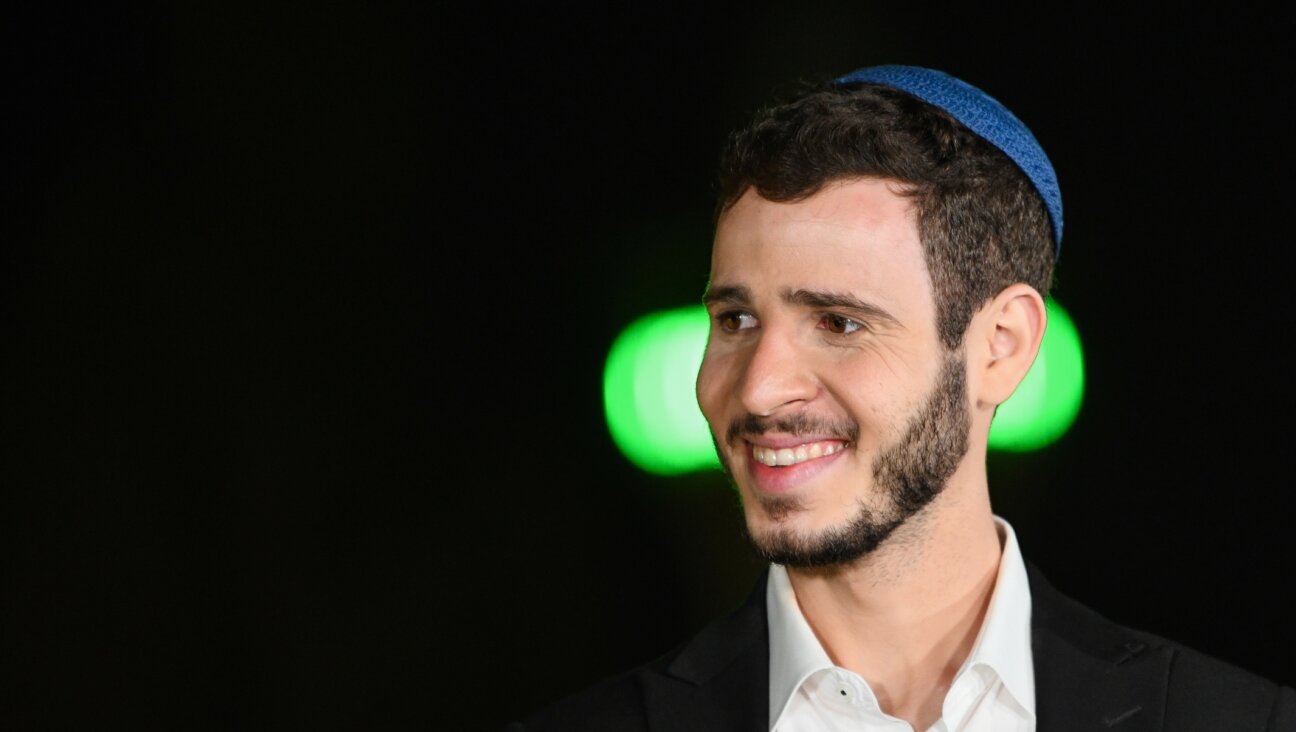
741,296
734,294
839,301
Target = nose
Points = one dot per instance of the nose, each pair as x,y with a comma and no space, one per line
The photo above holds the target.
778,376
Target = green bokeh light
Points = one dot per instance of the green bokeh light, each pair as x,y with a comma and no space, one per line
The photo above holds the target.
648,392
652,413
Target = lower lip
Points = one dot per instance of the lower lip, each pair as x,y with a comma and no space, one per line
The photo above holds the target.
786,478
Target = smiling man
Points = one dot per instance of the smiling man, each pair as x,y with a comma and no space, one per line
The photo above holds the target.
884,245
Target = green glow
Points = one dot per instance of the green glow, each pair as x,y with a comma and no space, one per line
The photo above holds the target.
652,413
1048,399
648,392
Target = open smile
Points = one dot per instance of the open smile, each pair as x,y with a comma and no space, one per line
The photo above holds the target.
783,456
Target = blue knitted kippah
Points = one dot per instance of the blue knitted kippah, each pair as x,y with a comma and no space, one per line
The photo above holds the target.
982,114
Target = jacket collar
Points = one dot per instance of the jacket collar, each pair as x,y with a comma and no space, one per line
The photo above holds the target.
720,680
1091,674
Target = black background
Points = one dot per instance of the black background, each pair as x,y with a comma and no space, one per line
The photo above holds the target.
305,312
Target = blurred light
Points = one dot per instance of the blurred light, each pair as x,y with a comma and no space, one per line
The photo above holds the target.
648,392
652,412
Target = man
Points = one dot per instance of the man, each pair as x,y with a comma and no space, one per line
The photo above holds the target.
883,251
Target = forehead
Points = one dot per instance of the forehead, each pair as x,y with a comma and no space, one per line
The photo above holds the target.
858,236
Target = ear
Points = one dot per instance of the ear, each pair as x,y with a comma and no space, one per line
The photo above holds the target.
1009,330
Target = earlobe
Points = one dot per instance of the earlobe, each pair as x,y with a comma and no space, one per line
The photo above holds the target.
1015,324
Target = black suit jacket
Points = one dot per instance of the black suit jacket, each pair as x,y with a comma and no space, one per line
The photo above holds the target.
1090,674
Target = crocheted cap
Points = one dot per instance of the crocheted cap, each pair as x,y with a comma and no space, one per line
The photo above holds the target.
980,113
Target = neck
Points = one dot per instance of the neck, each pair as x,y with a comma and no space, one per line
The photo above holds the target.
906,616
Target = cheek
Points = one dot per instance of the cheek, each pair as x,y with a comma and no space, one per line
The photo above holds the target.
870,394
713,381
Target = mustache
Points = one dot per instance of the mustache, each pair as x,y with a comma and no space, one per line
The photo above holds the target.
793,424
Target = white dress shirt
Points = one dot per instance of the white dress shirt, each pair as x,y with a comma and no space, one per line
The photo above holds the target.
994,690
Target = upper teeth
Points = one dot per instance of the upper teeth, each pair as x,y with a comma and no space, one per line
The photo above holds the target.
794,455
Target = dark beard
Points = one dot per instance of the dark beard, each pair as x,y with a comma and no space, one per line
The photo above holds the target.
910,474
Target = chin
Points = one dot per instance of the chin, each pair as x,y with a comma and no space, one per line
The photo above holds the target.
798,540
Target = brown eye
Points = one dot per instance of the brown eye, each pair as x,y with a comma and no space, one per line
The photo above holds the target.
840,325
734,321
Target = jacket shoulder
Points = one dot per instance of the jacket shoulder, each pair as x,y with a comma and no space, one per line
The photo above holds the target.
1211,693
1194,690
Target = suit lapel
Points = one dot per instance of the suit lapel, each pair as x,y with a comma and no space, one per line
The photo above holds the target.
719,682
1091,674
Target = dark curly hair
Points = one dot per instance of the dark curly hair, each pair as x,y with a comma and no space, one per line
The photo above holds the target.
982,223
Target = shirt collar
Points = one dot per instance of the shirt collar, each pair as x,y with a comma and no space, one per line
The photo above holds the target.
795,652
1003,642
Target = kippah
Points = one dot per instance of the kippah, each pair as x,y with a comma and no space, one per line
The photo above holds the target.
980,113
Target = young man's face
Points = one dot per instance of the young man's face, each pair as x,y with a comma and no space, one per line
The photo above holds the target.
835,409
